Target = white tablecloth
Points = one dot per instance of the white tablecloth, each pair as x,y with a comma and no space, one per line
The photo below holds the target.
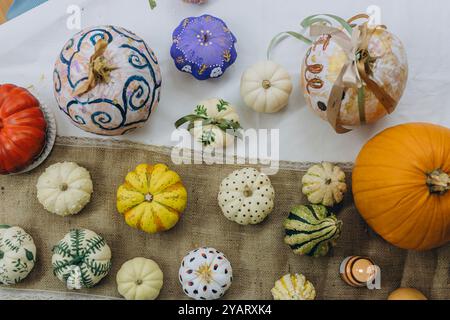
30,44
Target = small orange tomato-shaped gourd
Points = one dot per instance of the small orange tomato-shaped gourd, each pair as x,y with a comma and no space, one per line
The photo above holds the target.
401,185
152,198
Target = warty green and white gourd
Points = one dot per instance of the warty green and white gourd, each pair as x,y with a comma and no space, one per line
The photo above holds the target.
139,279
293,287
311,230
81,259
205,274
64,188
266,87
17,255
324,184
246,196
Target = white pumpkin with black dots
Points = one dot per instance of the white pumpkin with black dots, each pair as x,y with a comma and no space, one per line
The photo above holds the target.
246,196
205,274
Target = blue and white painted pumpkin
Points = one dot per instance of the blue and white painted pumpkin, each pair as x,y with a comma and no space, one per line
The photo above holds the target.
203,46
107,80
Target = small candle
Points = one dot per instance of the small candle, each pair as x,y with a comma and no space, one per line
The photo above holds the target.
357,271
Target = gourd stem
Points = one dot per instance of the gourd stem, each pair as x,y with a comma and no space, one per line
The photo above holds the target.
438,182
266,84
248,192
1,124
99,69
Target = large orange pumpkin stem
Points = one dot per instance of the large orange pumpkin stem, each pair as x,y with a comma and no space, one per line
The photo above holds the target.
438,182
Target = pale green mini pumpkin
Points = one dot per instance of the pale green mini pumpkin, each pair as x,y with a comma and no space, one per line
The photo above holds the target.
324,184
312,230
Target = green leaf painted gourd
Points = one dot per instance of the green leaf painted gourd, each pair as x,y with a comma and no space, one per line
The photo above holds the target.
311,230
81,259
17,255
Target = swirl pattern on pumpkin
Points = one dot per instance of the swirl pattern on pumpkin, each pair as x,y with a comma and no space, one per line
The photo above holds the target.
118,105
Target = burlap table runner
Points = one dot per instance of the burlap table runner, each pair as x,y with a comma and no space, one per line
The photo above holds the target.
257,253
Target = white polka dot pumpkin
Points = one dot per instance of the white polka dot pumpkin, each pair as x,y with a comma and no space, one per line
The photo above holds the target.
205,274
246,196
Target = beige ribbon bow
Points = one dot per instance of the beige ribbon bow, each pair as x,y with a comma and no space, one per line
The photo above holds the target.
354,73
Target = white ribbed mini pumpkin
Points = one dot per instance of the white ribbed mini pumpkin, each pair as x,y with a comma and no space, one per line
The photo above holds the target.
266,87
139,279
293,287
64,188
205,274
17,255
246,196
324,184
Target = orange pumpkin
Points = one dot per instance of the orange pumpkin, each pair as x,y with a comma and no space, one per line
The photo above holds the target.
401,185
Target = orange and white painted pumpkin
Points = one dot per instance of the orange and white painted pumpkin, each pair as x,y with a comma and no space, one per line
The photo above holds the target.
324,61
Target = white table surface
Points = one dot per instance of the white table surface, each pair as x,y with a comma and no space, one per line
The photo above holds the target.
30,44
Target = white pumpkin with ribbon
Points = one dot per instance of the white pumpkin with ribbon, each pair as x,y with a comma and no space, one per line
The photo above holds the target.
352,74
214,123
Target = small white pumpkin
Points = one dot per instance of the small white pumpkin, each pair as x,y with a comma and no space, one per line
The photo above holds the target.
139,279
266,87
246,196
205,274
17,255
81,259
324,184
64,188
212,122
293,287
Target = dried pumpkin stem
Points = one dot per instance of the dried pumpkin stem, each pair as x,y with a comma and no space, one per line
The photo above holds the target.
266,84
99,69
438,182
204,272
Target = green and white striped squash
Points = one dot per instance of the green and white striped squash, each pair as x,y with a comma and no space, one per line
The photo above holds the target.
17,255
311,230
81,259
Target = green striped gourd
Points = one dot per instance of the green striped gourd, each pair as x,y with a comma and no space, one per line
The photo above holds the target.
81,259
311,230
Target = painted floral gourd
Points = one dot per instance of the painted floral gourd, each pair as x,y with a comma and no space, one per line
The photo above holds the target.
107,80
64,188
152,198
324,184
293,287
22,128
246,196
205,274
81,259
203,46
139,279
214,123
17,255
311,230
325,59
401,185
266,87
